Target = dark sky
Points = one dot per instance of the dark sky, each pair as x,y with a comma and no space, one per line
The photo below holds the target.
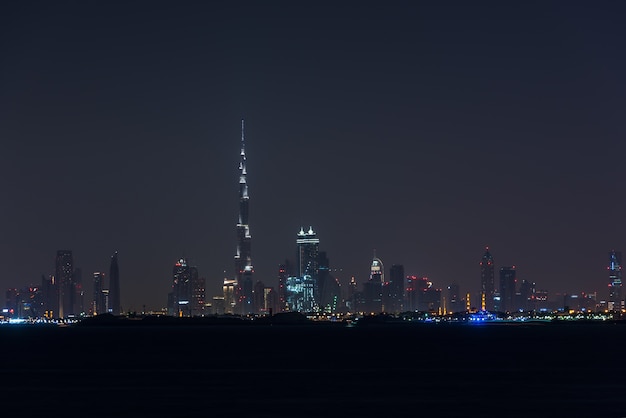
425,130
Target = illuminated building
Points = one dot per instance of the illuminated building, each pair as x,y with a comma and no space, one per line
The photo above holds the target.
183,278
258,297
428,297
527,296
64,276
301,291
615,302
329,290
308,253
351,300
198,294
243,257
284,271
50,296
218,306
115,305
230,295
507,289
373,288
454,299
411,293
487,280
98,305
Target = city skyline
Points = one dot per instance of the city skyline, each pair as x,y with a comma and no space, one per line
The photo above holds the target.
411,130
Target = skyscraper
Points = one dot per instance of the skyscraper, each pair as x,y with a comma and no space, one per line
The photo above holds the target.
243,257
79,292
98,305
305,287
114,287
373,288
393,295
64,277
487,280
615,302
307,261
507,289
184,279
198,294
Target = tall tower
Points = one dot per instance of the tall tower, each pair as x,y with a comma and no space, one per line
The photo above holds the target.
114,287
373,288
64,277
487,279
243,257
307,269
98,305
394,289
308,253
507,289
183,277
615,281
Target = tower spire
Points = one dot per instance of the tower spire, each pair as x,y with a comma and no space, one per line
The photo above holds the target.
243,258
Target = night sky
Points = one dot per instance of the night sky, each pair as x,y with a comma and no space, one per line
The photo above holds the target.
424,130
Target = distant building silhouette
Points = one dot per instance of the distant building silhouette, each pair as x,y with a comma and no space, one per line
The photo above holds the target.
507,289
79,292
615,302
393,290
454,301
487,281
115,306
284,271
64,271
50,296
527,300
328,288
98,303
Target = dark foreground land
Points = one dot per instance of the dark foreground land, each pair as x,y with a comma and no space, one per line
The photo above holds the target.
568,370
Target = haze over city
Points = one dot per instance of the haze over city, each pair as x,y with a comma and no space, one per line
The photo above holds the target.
424,131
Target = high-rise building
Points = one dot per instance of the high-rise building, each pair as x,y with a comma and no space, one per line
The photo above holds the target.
183,278
302,291
115,306
284,271
198,294
79,297
373,288
487,281
258,299
50,296
64,276
527,296
307,257
393,290
507,289
454,302
351,298
243,257
98,305
328,288
615,302
230,295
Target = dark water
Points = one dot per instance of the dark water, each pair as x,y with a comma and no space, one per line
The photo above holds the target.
315,371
